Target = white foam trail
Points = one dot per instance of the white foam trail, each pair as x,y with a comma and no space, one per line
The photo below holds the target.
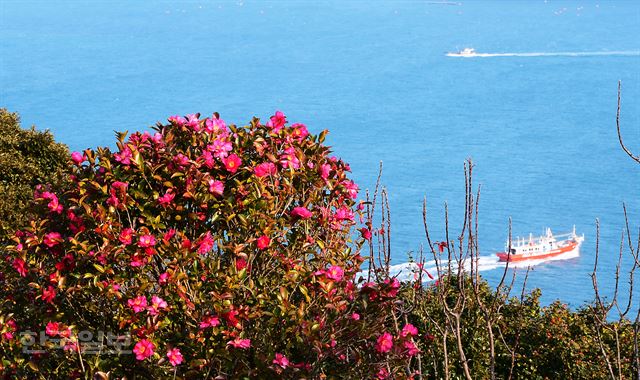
408,271
549,54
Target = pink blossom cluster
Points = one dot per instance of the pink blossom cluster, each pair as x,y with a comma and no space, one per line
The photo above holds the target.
139,304
404,342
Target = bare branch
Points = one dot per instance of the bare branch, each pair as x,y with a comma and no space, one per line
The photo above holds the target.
626,150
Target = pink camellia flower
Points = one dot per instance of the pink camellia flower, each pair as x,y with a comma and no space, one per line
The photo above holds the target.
168,235
20,265
240,264
113,200
394,287
206,244
53,205
146,241
175,356
383,373
366,233
157,304
207,159
231,317
157,138
52,239
220,148
116,193
384,343
76,224
52,328
120,187
216,187
125,236
263,242
334,272
240,343
138,304
140,139
277,122
163,279
411,348
232,163
409,330
209,321
288,159
77,157
344,213
281,360
177,120
70,345
8,329
144,349
215,126
265,169
351,188
115,287
299,131
138,260
301,212
67,262
166,199
193,121
325,169
124,156
48,294
181,160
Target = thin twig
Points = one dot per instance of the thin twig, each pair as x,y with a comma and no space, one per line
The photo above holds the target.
626,150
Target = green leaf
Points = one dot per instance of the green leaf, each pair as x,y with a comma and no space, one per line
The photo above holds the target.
99,267
33,366
305,292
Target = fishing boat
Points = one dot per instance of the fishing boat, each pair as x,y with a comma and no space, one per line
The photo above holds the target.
541,247
466,52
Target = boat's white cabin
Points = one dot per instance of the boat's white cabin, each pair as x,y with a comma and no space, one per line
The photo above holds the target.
543,244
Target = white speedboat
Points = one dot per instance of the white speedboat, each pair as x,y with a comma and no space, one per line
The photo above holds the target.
466,52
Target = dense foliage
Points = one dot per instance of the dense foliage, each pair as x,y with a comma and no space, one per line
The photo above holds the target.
212,251
201,250
27,158
531,341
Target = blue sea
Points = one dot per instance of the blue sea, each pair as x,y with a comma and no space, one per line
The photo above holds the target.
537,119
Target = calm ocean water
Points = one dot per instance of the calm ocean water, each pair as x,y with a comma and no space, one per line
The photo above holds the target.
540,127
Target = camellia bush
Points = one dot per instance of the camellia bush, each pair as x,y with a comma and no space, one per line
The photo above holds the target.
200,250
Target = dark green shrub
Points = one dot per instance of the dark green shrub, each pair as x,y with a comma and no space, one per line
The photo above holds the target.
27,158
547,342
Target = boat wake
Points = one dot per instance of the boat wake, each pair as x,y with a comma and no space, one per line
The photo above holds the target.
550,54
408,271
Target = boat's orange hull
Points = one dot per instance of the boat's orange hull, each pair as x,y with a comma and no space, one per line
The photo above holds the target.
567,248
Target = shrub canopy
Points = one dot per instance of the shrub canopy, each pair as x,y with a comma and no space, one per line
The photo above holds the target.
204,249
